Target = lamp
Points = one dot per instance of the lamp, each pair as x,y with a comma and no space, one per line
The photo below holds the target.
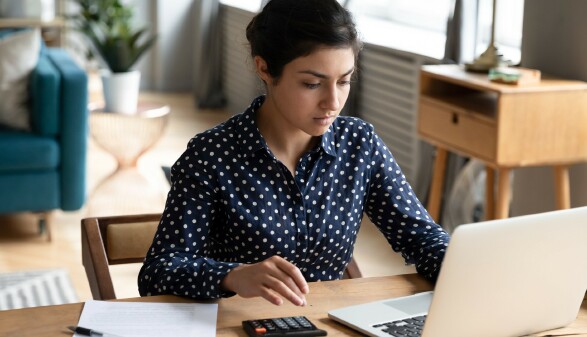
491,57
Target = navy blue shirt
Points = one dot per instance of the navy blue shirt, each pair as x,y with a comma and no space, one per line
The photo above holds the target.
231,202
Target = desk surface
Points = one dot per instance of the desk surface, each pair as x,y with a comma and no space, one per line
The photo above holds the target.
51,321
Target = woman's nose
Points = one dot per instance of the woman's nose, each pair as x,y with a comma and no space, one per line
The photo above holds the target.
330,100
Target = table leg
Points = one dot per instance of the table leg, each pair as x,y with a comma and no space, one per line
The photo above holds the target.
437,183
562,187
489,193
503,194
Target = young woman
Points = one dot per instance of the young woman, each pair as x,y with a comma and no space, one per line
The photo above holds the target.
274,197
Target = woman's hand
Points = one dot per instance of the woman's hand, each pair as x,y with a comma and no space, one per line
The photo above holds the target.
271,279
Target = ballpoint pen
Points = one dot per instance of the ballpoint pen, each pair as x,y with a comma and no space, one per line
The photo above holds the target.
89,332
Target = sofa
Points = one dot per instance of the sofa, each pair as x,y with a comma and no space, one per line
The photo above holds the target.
44,168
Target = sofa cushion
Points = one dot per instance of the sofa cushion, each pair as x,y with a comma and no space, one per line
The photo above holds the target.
21,151
19,53
45,97
30,191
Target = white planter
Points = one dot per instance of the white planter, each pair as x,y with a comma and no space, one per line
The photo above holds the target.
121,91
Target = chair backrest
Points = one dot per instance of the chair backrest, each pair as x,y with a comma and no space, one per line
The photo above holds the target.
126,239
114,240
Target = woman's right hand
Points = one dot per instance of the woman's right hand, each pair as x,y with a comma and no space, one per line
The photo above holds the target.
271,279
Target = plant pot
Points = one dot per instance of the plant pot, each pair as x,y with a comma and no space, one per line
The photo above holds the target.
121,91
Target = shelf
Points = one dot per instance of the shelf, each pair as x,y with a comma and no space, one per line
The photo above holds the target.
31,22
479,105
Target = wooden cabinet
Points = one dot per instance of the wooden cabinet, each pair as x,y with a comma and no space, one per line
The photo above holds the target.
505,126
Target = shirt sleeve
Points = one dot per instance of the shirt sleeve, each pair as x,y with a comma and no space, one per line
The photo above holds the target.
394,208
178,261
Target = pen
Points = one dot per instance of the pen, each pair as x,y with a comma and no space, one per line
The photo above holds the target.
89,332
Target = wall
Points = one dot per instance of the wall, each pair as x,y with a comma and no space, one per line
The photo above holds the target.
168,66
553,41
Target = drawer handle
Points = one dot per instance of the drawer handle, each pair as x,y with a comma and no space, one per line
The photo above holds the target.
455,118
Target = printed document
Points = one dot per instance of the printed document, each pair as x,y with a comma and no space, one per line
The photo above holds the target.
142,319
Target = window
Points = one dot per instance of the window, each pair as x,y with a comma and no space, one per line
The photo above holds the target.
415,26
423,14
420,25
508,27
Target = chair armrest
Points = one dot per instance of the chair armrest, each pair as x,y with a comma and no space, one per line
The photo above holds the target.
44,91
73,128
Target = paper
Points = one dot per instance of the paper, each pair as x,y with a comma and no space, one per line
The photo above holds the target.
141,319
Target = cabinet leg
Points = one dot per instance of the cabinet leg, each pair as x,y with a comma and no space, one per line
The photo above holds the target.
562,187
489,193
503,194
437,184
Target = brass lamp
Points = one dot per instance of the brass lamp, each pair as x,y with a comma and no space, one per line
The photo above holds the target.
491,57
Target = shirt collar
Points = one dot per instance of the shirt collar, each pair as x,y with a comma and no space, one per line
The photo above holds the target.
249,136
251,140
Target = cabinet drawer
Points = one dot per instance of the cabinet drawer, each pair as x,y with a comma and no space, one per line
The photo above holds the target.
458,130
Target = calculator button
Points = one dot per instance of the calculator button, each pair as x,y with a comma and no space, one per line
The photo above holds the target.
280,323
291,322
303,322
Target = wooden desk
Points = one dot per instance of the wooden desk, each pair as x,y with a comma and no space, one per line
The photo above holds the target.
505,126
51,321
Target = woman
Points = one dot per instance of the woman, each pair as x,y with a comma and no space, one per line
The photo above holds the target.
274,197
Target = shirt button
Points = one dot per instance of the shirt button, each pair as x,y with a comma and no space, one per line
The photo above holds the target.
301,237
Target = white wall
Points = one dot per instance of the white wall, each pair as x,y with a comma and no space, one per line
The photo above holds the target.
168,66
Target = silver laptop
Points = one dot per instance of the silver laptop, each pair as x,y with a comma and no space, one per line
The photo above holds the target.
499,278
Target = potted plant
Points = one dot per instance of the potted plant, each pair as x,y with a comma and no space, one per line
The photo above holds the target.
107,26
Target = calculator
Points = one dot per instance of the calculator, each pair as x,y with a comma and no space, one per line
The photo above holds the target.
294,326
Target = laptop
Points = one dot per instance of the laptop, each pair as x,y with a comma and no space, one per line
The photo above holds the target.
500,278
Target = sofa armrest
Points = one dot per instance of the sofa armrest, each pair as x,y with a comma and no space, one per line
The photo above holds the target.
73,127
44,93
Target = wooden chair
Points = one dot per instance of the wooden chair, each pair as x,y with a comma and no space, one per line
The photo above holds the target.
123,239
114,240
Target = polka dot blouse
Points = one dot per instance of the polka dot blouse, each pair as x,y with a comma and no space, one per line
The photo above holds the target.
232,202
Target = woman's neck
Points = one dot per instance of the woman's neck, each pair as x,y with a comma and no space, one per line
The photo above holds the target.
286,143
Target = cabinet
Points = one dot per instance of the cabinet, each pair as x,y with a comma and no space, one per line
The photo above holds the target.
505,126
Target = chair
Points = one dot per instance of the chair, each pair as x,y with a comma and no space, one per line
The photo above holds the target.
45,169
126,239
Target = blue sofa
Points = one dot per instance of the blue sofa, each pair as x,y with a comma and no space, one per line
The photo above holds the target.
45,169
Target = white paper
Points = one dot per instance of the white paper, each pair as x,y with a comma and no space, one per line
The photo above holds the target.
146,319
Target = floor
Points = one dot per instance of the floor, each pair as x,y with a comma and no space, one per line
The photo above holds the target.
143,189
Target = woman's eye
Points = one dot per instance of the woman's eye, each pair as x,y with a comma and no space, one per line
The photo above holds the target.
312,85
344,82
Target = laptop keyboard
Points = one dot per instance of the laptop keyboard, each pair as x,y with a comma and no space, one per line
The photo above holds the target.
409,327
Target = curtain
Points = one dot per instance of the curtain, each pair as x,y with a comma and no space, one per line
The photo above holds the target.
461,34
207,76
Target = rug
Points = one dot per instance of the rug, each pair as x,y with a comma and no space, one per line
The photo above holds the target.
36,288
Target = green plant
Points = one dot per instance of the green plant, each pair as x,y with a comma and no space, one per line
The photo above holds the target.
107,25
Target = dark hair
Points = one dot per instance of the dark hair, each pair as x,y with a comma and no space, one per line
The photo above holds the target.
287,29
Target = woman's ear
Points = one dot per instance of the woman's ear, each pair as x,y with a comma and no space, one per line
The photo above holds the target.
262,71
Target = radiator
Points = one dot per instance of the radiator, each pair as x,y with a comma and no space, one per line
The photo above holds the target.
388,99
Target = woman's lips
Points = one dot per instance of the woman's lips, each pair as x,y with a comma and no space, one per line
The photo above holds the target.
324,120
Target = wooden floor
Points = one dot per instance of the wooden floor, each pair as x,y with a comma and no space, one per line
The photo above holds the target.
144,190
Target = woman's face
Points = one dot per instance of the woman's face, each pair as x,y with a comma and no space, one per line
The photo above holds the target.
311,91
